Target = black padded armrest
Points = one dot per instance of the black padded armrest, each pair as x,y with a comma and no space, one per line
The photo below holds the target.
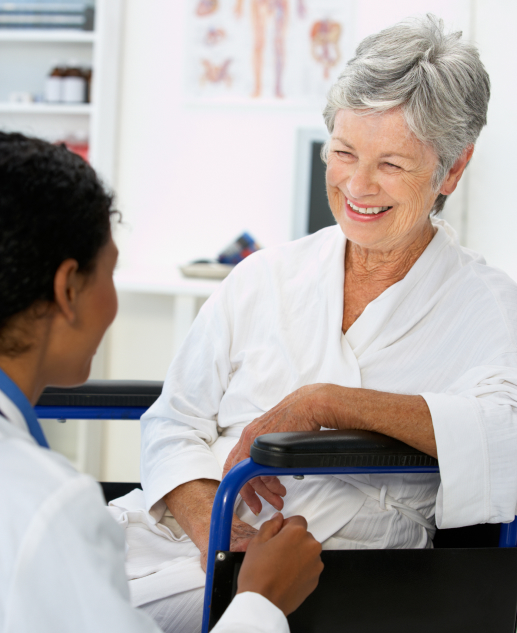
335,448
103,393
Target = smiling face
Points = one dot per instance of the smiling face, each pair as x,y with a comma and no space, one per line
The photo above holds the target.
379,180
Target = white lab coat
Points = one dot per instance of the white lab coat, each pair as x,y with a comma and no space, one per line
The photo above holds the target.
447,331
62,555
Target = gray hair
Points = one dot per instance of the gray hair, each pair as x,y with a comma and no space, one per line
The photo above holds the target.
436,79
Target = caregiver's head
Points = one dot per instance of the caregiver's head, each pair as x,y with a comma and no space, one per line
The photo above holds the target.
403,117
56,263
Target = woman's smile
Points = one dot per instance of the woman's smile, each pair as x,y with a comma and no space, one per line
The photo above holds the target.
365,213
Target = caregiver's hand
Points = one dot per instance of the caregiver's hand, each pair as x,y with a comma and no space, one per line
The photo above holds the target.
282,563
306,409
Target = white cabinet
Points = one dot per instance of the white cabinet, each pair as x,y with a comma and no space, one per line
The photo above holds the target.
26,57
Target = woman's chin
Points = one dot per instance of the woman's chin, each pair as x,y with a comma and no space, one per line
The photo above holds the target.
367,235
73,376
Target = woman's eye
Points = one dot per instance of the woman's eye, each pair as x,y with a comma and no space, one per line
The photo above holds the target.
392,165
343,153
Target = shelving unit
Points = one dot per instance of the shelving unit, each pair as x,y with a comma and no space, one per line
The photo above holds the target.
47,35
26,57
46,108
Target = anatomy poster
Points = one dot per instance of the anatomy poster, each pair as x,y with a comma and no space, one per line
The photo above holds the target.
266,51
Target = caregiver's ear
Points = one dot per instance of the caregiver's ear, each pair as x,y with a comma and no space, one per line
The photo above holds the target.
456,172
67,285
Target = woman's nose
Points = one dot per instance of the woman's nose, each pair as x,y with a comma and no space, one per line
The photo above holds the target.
362,183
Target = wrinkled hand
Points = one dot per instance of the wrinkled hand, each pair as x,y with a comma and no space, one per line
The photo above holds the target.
242,533
303,410
282,563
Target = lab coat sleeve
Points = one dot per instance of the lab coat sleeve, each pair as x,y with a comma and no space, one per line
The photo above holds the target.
252,613
475,425
69,574
178,430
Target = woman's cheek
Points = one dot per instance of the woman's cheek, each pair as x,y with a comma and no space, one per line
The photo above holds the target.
335,198
334,175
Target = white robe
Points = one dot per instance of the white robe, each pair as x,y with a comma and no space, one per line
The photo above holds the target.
62,556
447,331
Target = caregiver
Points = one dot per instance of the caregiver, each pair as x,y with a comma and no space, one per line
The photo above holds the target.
383,322
61,555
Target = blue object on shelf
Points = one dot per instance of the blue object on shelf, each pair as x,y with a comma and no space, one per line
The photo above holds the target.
238,250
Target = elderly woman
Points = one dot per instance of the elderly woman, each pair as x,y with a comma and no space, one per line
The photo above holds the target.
383,322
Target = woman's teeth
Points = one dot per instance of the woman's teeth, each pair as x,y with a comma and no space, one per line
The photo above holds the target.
367,210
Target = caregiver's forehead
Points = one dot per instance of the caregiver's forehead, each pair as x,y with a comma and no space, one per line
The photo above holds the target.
385,132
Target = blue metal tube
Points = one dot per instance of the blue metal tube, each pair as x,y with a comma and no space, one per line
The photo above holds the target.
90,413
224,502
508,534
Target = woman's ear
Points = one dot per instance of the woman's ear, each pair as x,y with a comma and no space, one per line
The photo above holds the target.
456,172
67,284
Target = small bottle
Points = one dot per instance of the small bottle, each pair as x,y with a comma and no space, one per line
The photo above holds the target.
74,84
87,74
54,84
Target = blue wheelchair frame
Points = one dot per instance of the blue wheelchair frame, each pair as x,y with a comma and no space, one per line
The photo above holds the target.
222,511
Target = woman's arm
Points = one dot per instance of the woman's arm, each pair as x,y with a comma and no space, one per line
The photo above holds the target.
406,418
191,505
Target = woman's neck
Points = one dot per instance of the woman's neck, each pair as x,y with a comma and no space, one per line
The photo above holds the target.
28,368
387,266
24,370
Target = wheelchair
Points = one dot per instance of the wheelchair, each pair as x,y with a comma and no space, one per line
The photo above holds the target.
466,583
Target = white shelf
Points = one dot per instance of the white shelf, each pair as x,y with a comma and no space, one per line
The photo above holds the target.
47,35
45,108
174,284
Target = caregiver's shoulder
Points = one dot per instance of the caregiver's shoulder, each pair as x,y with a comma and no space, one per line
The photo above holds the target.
40,480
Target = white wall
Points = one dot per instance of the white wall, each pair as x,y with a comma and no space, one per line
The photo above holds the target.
492,219
191,179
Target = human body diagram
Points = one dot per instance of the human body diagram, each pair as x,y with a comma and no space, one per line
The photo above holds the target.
325,36
263,13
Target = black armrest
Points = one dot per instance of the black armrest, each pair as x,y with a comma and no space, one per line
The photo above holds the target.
335,448
103,393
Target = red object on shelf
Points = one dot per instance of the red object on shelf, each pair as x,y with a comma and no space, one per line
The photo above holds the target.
81,149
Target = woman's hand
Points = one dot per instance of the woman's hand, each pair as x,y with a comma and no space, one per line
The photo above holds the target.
242,534
282,563
306,409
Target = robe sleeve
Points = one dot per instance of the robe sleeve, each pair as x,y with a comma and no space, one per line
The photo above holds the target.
475,425
252,613
178,430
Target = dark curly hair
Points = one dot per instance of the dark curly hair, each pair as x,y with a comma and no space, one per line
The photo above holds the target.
52,207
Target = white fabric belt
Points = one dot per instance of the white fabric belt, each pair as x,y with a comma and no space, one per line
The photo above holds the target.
386,502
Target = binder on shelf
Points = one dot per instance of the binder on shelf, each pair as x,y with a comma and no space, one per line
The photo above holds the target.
55,15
